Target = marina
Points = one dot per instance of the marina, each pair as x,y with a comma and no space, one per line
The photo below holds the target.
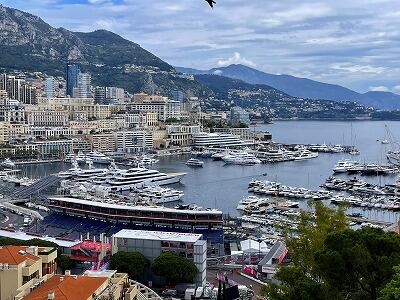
217,185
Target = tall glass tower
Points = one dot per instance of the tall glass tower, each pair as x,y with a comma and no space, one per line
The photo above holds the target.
73,71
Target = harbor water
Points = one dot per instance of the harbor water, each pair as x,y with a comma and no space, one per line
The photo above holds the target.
218,185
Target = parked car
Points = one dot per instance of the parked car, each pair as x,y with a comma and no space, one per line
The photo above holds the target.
169,293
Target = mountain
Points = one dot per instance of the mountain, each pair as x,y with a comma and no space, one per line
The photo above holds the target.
303,87
27,43
271,103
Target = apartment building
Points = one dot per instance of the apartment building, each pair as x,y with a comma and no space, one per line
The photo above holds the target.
164,108
4,132
53,147
182,135
13,113
103,142
23,268
47,118
91,285
3,94
92,111
133,141
50,132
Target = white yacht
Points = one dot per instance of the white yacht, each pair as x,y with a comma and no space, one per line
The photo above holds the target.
148,160
80,157
8,163
218,155
139,177
193,162
394,157
98,158
82,174
241,158
302,154
160,195
343,166
244,202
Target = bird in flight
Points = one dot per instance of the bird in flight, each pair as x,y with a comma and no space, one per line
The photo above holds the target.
211,3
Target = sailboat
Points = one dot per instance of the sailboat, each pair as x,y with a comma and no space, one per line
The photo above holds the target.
353,150
393,155
385,141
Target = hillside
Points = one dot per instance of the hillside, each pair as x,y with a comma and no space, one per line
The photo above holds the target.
303,87
27,43
271,103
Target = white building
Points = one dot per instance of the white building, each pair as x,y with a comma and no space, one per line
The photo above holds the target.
152,243
133,141
239,116
115,94
222,140
47,118
165,109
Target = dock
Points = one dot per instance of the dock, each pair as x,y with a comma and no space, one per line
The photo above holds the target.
37,161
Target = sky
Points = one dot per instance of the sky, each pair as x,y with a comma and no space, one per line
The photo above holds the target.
354,43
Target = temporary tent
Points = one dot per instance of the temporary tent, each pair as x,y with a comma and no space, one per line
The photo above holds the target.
252,246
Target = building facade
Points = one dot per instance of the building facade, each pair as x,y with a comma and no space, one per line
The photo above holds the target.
22,268
152,243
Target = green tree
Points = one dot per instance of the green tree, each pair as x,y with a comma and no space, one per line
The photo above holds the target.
392,290
174,268
302,279
133,263
65,263
313,229
359,263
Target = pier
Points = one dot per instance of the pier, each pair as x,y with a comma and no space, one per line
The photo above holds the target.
37,161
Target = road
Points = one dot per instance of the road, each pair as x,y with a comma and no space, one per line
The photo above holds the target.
212,277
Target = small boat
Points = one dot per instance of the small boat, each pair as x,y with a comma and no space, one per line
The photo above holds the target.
8,163
193,162
385,142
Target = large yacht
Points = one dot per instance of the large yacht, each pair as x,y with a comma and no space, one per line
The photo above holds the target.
130,179
80,157
274,154
343,166
160,195
194,162
7,163
98,158
241,158
82,174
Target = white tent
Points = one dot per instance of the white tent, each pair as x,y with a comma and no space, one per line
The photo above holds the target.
252,246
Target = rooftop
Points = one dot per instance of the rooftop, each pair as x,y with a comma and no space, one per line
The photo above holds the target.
137,207
22,236
158,236
14,255
67,288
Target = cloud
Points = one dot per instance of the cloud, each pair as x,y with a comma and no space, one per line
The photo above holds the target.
235,59
396,88
379,88
217,72
353,43
358,68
